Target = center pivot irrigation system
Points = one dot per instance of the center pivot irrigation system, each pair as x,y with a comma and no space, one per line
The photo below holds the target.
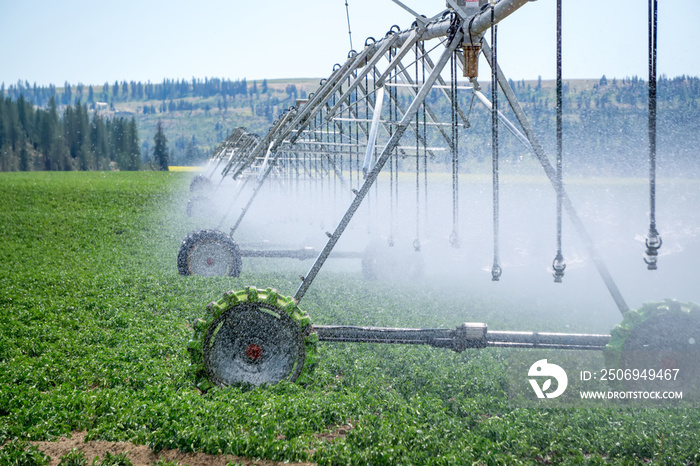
390,91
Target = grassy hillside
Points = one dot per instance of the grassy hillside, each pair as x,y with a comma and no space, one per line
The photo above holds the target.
94,322
209,121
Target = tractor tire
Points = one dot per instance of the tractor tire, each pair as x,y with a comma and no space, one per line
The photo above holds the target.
660,337
209,253
250,338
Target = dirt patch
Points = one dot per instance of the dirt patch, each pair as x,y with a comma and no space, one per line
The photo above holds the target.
339,432
141,455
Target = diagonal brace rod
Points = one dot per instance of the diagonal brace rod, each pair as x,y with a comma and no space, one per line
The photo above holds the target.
374,173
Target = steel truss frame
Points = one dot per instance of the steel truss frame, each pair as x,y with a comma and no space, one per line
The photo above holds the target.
324,126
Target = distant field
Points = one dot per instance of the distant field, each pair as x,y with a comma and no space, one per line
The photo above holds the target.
94,322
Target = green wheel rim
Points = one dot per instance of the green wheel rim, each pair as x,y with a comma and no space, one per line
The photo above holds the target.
256,323
659,335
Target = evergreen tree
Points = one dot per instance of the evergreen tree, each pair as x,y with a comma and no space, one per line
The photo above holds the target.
118,146
33,138
67,93
48,132
98,139
160,149
134,151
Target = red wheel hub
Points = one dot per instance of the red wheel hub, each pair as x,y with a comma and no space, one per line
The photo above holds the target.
254,351
669,363
210,261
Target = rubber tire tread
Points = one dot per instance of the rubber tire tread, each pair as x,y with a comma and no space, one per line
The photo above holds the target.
197,236
633,318
251,295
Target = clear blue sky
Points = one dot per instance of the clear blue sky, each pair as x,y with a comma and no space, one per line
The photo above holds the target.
88,41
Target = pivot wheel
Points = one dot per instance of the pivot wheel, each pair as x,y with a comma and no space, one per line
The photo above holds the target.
658,348
209,253
668,342
252,337
253,344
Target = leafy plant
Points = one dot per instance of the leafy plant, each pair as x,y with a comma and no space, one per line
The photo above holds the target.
20,453
95,322
74,457
112,460
163,462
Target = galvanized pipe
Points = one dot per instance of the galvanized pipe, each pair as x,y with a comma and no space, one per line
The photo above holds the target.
301,254
481,23
468,335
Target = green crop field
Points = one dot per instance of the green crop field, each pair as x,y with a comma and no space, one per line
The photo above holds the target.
95,321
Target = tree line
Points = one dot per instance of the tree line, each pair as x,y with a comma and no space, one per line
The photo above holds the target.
603,124
34,138
134,90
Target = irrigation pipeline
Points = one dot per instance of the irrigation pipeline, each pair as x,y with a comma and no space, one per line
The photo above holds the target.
346,81
297,121
467,335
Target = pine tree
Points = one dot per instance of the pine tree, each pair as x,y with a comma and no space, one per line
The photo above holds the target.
48,132
134,152
98,139
66,93
160,149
